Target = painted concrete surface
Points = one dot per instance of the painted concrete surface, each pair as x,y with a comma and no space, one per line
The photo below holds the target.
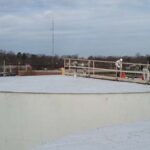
129,136
67,84
28,120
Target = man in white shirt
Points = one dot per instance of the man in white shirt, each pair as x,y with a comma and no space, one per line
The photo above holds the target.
118,66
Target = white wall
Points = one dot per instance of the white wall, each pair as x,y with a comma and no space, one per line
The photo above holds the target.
28,120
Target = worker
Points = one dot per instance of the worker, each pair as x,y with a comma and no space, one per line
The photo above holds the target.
118,66
146,74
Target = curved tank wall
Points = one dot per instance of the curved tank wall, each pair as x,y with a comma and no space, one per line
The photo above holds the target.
28,120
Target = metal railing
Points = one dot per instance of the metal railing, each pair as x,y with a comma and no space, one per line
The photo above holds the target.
138,72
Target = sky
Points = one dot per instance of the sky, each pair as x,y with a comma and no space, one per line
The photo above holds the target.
81,27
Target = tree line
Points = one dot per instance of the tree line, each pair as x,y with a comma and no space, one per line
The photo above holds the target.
39,61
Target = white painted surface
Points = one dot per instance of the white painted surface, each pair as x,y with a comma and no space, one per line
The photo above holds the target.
29,120
66,84
119,137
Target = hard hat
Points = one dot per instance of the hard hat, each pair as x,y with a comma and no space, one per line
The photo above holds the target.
121,59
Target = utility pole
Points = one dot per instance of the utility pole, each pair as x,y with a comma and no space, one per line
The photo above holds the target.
53,36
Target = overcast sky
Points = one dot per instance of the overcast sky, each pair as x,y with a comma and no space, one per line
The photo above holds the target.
83,27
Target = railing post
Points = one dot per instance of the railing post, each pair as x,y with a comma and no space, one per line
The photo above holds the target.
93,67
148,73
4,68
89,67
64,63
69,64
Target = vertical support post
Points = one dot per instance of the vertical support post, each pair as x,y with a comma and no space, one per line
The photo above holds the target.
148,73
148,76
64,67
93,67
64,63
116,73
89,67
4,68
69,64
